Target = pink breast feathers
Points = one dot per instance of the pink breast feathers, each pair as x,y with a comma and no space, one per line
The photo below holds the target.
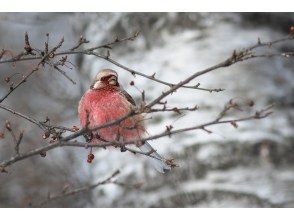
106,105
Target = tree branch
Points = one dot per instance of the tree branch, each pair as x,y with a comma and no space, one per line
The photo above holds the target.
56,132
79,190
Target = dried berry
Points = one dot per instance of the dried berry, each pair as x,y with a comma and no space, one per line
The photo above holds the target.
91,157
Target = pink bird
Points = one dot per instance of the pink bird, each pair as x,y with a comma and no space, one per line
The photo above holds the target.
106,101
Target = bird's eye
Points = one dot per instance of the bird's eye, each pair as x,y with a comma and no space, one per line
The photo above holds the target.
104,78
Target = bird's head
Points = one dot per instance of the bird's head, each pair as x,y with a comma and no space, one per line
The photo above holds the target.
105,77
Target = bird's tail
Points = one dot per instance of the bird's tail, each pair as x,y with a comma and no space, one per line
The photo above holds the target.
158,163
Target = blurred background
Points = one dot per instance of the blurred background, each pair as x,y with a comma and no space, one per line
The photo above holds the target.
251,166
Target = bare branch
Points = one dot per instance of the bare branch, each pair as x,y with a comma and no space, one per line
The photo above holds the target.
40,124
81,41
56,132
16,140
49,55
80,190
18,143
28,118
263,113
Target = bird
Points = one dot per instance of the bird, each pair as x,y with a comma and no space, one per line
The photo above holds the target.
106,101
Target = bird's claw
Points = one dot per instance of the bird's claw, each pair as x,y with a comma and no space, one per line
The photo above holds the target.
88,136
123,149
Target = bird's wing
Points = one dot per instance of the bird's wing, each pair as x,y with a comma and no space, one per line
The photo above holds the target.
128,97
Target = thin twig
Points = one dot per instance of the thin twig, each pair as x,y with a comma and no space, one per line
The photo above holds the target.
51,53
236,57
66,141
79,190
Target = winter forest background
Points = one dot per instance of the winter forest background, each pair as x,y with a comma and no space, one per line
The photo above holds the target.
251,166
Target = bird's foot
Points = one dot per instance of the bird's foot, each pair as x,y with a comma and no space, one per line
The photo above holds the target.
88,136
123,149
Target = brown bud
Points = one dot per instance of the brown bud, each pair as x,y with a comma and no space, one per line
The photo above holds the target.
43,154
8,125
7,79
51,55
65,187
46,135
28,48
234,124
251,103
2,169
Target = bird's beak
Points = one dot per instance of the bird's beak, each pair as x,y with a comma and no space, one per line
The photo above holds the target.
96,85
